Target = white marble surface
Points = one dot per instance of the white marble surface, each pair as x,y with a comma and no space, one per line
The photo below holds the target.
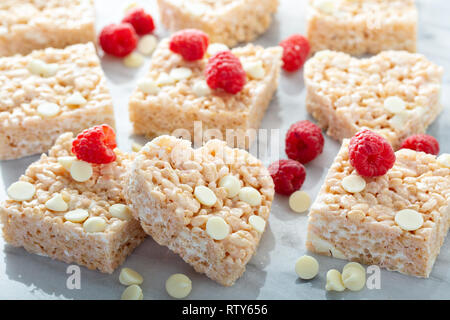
270,274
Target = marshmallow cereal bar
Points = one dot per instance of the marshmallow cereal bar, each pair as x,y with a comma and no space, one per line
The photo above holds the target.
394,93
397,221
226,21
71,210
47,93
27,25
359,27
209,205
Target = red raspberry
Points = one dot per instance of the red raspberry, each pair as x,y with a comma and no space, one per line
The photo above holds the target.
288,176
96,145
224,70
140,20
295,51
191,44
422,142
118,39
304,141
370,154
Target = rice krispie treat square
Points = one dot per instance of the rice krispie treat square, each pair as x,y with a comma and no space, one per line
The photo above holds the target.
27,25
47,93
225,21
72,211
369,226
209,205
394,93
174,95
362,27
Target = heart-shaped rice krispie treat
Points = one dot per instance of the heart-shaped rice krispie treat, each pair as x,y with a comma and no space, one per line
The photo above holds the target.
210,205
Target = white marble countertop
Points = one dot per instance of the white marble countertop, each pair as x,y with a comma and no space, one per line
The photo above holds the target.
270,274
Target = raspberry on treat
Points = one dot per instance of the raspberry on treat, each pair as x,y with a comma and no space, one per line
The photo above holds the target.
96,145
295,51
370,154
191,44
140,20
118,39
224,70
422,142
288,176
304,141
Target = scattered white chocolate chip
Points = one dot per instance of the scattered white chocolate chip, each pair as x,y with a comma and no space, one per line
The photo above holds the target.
399,120
120,211
133,60
408,219
41,68
147,44
254,69
136,147
81,171
299,201
180,73
178,286
217,228
48,110
250,195
133,292
326,6
354,265
257,223
231,185
307,267
205,196
66,162
354,277
76,99
164,79
50,70
148,86
201,88
353,183
77,215
56,203
21,191
214,48
394,104
128,277
444,159
94,224
334,281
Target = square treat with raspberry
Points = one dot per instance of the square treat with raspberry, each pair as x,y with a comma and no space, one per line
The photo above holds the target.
225,21
47,93
175,93
27,25
394,93
398,220
362,27
209,205
72,210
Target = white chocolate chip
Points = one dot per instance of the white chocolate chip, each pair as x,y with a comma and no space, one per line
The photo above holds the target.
180,73
21,191
205,196
250,195
128,277
353,183
444,159
133,60
133,292
120,211
394,104
299,201
41,68
257,223
77,215
148,86
254,70
50,70
76,99
57,203
178,286
354,265
306,267
214,48
399,120
217,228
334,281
66,162
201,88
354,277
408,219
147,44
81,171
231,185
325,247
94,224
136,147
164,79
326,6
48,110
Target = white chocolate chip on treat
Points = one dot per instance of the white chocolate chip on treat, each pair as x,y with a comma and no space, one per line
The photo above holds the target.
399,120
76,99
120,211
148,86
21,191
133,292
94,224
136,147
205,196
66,162
444,159
217,228
133,60
180,73
353,183
354,278
128,277
164,79
306,267
36,67
254,70
81,171
201,88
334,281
57,203
147,44
299,201
77,215
214,48
408,219
394,104
326,6
250,195
48,110
231,185
257,223
178,286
